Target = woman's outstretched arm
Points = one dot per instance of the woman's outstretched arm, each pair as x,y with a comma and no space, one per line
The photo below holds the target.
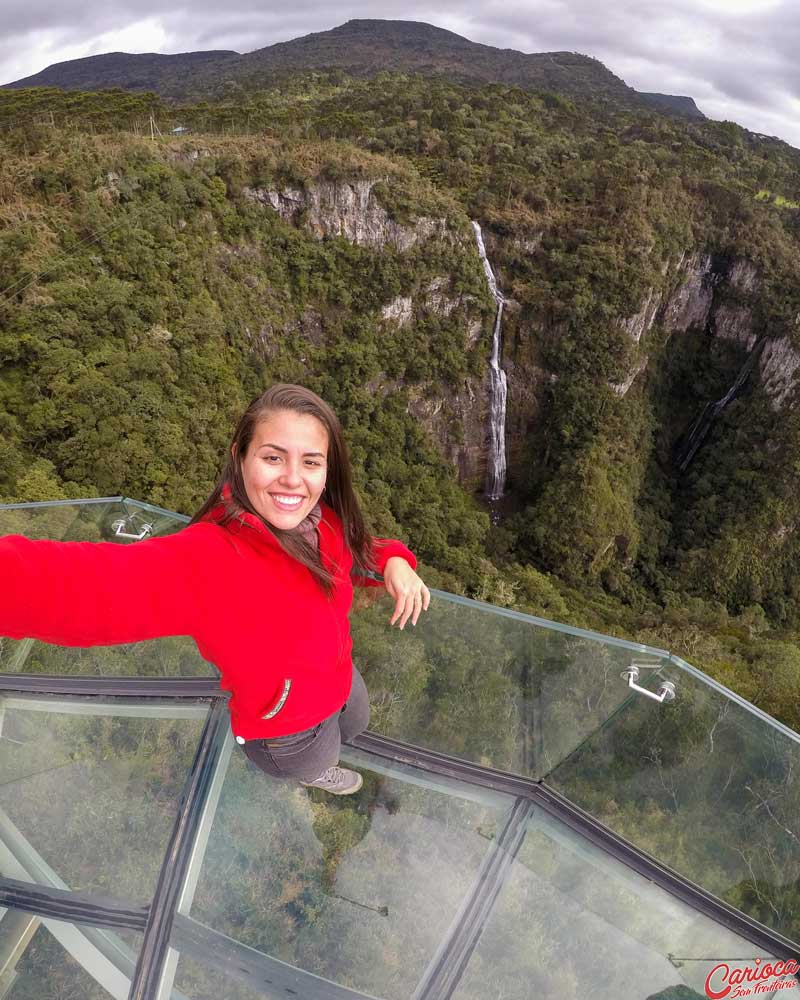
102,593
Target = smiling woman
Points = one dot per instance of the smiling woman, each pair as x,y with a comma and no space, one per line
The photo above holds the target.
261,580
289,472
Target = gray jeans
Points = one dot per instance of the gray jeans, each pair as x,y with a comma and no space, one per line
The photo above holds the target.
305,756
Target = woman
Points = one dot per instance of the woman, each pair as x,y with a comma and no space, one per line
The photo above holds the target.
260,579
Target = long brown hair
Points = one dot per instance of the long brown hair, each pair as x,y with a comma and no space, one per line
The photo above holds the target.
338,492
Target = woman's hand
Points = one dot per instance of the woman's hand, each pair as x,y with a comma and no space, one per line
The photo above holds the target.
409,592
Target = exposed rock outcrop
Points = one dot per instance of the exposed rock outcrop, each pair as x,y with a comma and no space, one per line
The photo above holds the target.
528,244
696,302
743,276
399,310
439,300
620,388
642,321
459,426
690,304
455,420
735,323
779,367
345,208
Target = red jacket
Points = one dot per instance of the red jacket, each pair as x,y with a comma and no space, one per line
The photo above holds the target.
281,646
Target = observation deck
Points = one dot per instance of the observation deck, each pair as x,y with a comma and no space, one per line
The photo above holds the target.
536,820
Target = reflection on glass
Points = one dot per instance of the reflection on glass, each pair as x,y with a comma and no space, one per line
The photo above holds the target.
572,923
88,801
84,521
44,959
706,786
497,689
357,890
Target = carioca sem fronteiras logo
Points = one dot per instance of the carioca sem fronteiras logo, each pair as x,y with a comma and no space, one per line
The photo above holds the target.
724,983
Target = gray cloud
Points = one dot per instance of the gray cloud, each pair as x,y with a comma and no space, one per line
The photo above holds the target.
735,57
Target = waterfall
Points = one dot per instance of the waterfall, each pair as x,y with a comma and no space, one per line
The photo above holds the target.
498,388
702,425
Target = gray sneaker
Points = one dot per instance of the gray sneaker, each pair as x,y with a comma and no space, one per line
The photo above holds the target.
337,781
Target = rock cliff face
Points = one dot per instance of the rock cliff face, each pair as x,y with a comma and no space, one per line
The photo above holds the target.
717,297
457,421
345,208
459,424
642,321
779,369
698,291
690,303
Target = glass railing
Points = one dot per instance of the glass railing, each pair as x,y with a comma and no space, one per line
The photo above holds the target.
491,686
703,782
707,784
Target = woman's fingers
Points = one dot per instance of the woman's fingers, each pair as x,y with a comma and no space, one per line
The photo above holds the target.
409,605
421,602
403,606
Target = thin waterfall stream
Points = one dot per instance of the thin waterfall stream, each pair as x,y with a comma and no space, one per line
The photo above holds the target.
498,387
698,432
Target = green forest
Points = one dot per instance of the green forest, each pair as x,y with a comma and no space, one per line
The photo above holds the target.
148,292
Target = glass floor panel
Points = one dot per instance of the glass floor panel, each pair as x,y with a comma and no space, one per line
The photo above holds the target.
491,687
359,890
90,790
46,959
572,922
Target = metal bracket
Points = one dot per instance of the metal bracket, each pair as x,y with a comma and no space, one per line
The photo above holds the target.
119,530
666,689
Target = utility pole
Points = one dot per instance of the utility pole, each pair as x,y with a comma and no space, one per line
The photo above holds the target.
154,129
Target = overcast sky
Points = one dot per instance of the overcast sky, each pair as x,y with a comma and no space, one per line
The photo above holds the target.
737,58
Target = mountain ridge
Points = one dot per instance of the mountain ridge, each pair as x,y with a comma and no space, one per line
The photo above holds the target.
359,47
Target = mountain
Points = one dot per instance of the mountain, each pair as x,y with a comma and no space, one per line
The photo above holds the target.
358,47
366,47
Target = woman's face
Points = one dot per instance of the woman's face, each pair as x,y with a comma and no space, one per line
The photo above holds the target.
285,467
